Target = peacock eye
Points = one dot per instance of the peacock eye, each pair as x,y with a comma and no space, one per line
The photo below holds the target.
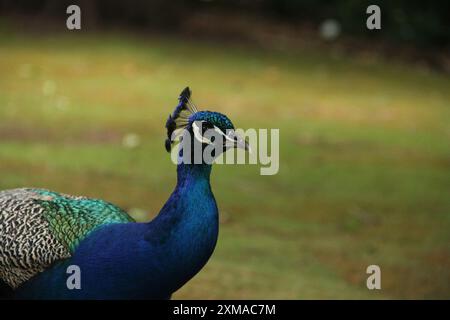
206,126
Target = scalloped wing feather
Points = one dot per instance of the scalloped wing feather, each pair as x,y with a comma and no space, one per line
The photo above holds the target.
39,227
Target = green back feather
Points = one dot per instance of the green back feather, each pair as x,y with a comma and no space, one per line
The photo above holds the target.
72,218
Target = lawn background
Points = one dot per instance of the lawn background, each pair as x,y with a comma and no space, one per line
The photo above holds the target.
364,155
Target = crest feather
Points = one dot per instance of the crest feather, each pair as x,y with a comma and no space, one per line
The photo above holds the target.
180,117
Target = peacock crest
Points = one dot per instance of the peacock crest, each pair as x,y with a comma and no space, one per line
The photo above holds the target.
179,119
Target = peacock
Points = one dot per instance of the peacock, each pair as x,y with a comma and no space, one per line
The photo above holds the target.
45,234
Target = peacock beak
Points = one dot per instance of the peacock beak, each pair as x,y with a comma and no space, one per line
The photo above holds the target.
243,144
234,140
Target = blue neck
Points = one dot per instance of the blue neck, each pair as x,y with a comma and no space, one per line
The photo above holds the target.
187,225
187,172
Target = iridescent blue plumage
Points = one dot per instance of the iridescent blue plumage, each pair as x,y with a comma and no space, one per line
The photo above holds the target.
121,259
142,260
218,119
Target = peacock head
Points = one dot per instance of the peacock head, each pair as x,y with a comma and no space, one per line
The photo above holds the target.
201,129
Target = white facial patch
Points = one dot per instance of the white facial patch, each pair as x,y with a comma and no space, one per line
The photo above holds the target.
227,138
198,134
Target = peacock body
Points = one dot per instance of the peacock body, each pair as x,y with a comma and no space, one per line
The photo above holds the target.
43,233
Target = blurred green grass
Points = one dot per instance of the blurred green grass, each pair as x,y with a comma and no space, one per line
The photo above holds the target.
364,160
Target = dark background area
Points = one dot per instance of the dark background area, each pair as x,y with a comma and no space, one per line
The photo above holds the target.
421,23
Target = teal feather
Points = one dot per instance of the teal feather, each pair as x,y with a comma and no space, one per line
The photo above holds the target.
72,218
